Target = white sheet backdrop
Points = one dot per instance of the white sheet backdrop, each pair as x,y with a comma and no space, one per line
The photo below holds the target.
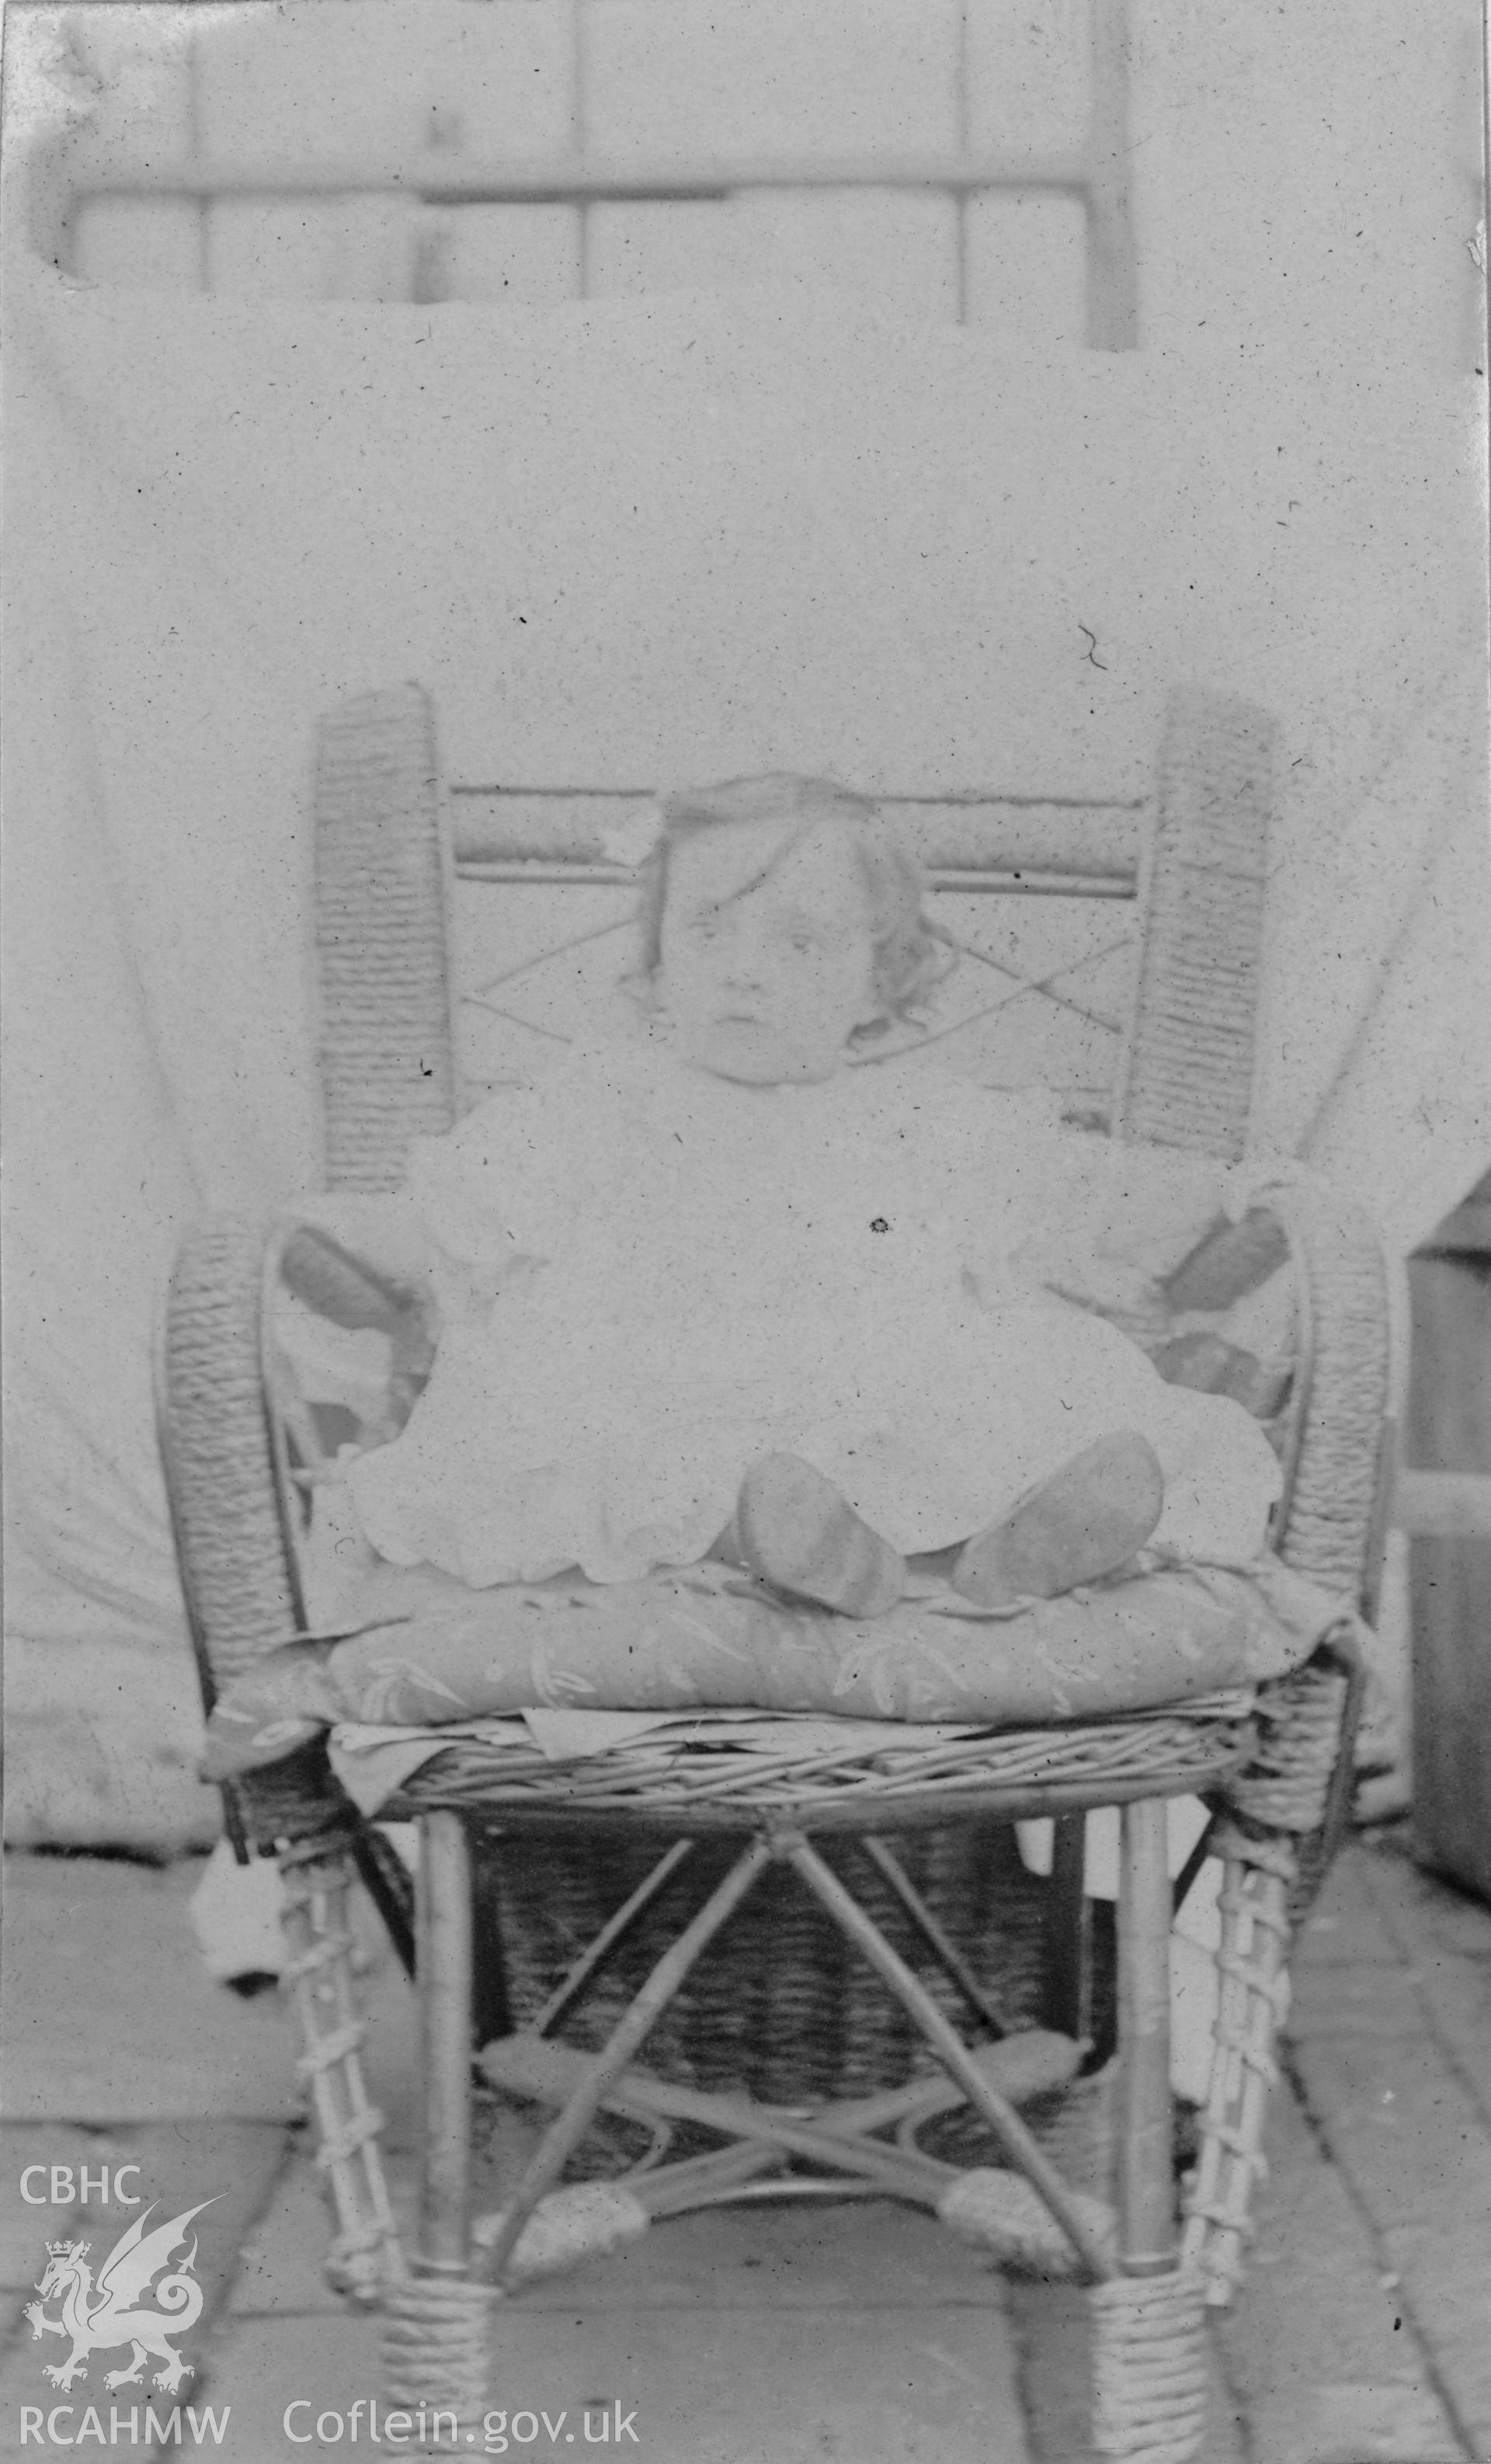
631,541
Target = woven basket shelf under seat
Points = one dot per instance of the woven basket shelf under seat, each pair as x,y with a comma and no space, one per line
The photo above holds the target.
781,2006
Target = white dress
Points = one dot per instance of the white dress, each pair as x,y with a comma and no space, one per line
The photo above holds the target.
649,1276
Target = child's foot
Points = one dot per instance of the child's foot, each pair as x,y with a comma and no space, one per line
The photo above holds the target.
797,1532
1079,1522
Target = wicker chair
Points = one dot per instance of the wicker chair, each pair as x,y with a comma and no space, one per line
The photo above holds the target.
798,1860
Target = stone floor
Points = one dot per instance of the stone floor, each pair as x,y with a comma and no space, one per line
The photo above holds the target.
860,2331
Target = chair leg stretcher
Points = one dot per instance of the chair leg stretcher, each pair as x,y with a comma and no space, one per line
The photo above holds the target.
580,2084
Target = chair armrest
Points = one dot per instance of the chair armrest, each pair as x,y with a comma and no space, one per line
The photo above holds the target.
1329,1521
225,1481
1333,1436
217,1447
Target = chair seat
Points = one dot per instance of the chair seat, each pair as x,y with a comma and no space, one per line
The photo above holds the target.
423,1650
709,1771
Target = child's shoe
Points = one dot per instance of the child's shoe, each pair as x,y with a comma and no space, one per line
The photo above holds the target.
799,1534
1078,1523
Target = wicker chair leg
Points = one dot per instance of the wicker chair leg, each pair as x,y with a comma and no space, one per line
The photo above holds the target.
1150,2380
437,2321
1259,1874
1146,2193
436,2329
437,2349
444,1980
317,1877
1148,2367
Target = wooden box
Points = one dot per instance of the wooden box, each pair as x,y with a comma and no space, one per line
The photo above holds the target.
1444,1503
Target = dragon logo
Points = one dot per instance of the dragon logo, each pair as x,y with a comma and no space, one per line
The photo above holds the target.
97,2316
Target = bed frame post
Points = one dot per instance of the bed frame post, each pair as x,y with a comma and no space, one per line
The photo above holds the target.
1113,255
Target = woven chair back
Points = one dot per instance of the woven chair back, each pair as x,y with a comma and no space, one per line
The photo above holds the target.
1107,949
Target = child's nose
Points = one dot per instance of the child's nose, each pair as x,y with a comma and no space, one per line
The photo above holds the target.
744,950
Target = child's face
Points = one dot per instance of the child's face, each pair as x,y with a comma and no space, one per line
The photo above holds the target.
766,966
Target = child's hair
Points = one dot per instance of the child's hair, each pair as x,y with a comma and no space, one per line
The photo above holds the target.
910,952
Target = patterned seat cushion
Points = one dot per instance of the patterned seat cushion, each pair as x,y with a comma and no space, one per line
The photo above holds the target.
427,1650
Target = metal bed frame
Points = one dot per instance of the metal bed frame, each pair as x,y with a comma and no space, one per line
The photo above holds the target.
447,178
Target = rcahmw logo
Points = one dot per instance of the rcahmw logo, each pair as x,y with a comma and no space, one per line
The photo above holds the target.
100,2315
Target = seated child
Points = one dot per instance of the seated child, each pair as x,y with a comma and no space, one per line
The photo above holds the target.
740,1281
